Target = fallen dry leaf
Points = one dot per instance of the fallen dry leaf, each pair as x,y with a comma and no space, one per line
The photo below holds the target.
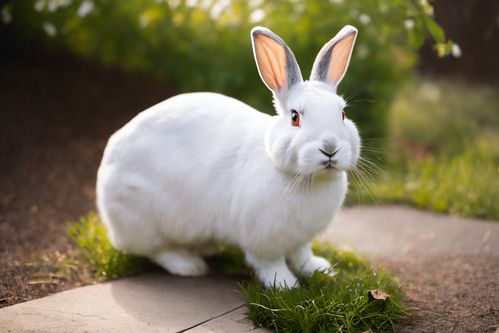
378,294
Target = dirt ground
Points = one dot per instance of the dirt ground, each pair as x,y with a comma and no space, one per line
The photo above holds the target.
455,294
56,115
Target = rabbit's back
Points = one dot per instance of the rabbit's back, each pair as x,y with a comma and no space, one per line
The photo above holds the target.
167,175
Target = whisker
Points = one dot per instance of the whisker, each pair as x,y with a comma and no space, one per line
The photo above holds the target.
290,186
310,179
357,183
367,179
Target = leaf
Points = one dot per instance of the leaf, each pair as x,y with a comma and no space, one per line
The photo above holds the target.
416,34
378,294
435,30
443,49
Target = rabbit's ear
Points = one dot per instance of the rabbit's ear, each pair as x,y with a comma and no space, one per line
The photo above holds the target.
275,61
332,61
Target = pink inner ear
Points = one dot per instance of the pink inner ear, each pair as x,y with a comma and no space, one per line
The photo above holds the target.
271,59
340,56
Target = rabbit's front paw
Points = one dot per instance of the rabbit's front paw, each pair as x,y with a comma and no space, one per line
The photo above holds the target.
315,263
280,279
304,260
272,273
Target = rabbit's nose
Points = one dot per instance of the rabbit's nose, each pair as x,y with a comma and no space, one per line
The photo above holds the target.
329,151
329,147
329,142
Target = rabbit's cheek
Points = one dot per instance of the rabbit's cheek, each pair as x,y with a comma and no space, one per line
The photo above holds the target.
354,140
280,152
344,157
309,157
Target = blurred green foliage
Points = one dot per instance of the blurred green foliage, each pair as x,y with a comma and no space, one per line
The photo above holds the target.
444,144
205,44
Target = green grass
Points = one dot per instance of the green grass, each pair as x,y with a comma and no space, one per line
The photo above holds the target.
443,151
107,262
321,304
329,304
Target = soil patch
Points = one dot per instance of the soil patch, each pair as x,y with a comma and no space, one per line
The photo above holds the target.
453,294
56,115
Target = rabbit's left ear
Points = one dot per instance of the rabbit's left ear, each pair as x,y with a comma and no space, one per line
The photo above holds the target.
276,63
332,61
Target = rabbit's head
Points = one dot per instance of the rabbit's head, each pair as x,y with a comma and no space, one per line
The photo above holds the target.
310,133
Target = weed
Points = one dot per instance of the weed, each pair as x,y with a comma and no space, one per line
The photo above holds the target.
107,262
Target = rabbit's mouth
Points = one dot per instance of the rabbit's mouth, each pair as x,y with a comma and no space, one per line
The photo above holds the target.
329,164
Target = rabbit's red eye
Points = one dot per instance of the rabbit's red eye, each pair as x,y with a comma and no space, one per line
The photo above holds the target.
295,118
343,115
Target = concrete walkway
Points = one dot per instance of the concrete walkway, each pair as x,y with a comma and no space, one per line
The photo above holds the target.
160,302
399,233
147,303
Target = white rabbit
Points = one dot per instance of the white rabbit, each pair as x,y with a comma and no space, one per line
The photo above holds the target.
202,168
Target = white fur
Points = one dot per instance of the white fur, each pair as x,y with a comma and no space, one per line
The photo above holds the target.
202,168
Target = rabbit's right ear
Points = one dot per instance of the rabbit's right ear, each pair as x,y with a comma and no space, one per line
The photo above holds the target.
332,61
275,62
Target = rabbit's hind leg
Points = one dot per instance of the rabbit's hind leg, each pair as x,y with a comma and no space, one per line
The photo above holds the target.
181,262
